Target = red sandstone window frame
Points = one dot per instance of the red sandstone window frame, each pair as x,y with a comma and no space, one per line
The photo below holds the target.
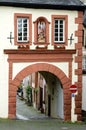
46,42
29,17
65,19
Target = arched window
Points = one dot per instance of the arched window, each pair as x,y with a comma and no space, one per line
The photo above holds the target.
41,31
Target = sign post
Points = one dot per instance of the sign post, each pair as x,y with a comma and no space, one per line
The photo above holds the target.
73,89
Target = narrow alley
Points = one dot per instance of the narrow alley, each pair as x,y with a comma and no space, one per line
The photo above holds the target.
25,112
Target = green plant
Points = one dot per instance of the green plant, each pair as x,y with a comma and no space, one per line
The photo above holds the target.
36,90
29,94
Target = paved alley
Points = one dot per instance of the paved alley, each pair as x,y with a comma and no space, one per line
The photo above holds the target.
25,112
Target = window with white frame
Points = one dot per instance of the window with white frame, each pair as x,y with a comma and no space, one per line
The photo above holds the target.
59,30
22,29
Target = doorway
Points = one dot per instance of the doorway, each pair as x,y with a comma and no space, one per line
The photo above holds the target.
49,105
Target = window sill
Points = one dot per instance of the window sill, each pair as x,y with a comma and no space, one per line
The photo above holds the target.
23,44
59,44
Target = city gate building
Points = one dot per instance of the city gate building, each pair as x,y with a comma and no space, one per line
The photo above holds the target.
42,36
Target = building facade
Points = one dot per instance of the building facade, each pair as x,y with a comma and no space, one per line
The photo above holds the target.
84,64
45,38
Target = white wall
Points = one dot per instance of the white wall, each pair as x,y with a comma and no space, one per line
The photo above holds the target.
3,87
57,101
60,102
84,93
56,92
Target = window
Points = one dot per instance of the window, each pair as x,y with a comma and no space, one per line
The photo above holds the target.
59,30
41,31
22,30
84,65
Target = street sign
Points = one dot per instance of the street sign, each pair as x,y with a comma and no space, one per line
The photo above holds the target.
73,88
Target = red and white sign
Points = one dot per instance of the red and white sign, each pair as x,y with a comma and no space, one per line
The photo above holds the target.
73,88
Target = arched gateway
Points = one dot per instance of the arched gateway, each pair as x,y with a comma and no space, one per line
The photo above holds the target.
34,68
25,62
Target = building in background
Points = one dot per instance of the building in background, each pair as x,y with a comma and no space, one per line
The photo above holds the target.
84,62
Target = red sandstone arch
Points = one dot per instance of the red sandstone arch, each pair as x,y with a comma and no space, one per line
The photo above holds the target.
34,68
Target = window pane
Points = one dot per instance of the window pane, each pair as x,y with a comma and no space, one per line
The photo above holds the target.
61,21
19,38
25,34
56,38
25,29
56,29
61,38
61,30
24,38
61,26
20,34
19,20
61,34
25,20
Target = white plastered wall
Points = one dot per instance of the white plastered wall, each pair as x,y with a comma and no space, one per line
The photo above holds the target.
17,67
84,94
84,76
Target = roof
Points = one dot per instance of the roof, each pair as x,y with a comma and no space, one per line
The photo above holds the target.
47,4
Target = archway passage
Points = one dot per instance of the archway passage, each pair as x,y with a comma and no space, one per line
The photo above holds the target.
40,96
36,68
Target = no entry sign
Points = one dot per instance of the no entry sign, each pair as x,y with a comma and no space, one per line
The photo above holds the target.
73,88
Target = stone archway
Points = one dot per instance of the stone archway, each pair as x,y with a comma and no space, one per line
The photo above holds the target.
34,68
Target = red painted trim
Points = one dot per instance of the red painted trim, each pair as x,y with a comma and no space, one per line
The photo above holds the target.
40,55
39,51
78,60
